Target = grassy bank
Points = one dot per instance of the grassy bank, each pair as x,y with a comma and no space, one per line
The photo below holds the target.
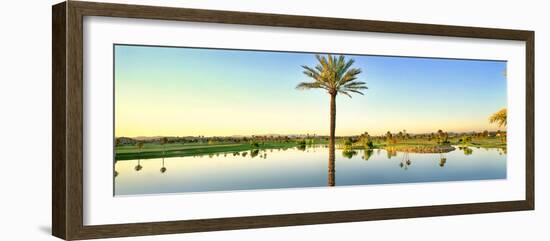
152,150
415,145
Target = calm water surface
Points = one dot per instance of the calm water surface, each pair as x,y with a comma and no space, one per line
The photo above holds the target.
293,168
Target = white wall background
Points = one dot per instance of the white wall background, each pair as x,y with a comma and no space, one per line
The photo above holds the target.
25,119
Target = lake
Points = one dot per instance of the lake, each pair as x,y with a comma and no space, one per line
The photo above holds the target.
295,168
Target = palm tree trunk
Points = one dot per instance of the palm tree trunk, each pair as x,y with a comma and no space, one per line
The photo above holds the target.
331,158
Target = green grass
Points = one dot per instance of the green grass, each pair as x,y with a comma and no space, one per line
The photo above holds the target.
151,150
491,142
130,152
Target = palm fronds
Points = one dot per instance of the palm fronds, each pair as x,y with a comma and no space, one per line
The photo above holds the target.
499,117
333,74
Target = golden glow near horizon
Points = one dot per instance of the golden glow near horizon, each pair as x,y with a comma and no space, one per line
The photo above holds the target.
192,92
214,121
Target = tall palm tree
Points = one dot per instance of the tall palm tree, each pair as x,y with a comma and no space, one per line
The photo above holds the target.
499,117
163,141
335,76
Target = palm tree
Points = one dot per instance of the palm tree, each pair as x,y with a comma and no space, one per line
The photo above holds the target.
335,76
499,117
389,137
163,141
139,146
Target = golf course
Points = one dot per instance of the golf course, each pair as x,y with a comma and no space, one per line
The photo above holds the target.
421,143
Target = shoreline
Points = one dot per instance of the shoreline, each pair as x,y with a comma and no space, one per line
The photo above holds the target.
152,151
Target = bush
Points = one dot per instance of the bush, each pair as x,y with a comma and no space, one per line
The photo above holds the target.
370,144
348,143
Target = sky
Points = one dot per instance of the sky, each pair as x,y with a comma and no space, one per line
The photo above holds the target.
175,91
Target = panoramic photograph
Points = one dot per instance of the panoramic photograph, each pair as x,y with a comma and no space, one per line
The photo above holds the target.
190,120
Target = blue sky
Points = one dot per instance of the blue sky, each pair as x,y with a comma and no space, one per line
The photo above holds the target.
189,91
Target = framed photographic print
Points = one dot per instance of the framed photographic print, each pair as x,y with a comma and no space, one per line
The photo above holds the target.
210,120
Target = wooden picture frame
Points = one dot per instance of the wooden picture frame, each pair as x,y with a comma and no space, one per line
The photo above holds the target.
67,120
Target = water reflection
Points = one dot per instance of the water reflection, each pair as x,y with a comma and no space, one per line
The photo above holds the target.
163,168
138,166
468,150
254,153
442,161
405,161
391,153
368,153
349,153
298,168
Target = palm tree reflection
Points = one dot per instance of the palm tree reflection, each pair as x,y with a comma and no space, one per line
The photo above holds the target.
349,153
163,141
138,166
163,168
467,150
442,160
331,173
391,153
254,153
405,161
368,154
